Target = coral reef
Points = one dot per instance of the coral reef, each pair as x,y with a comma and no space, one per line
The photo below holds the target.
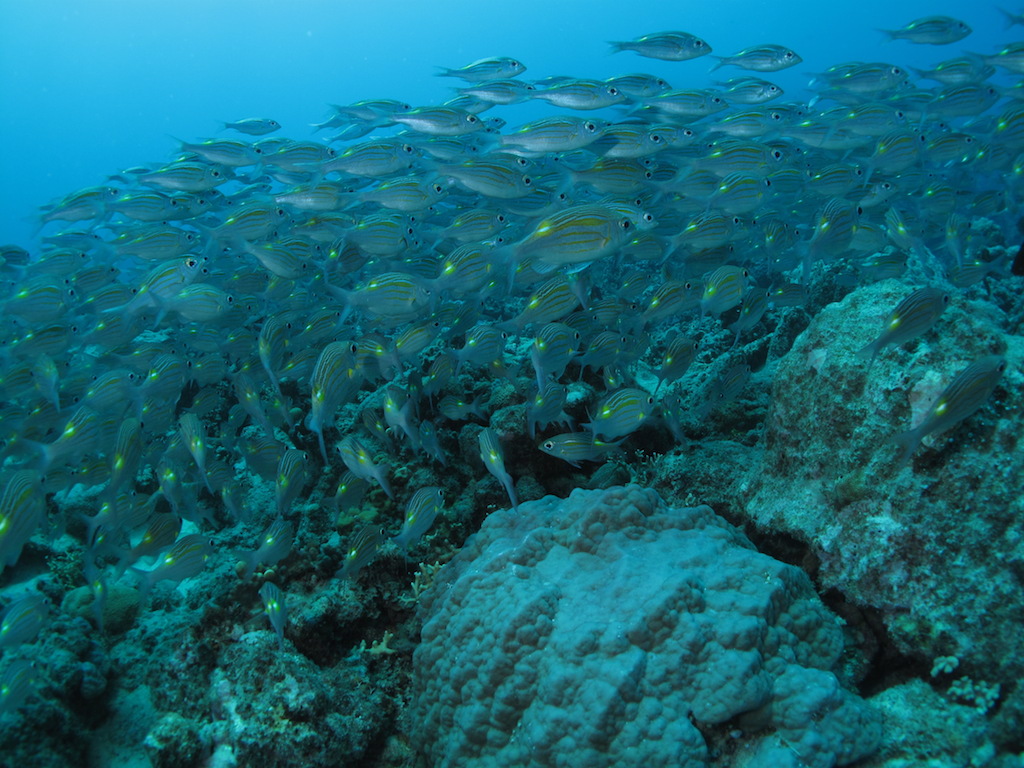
609,629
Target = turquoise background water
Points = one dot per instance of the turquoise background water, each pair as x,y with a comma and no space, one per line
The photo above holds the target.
88,88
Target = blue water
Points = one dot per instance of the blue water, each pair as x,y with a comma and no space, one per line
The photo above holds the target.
89,88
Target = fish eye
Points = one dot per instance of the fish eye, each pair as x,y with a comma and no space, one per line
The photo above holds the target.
625,224
777,154
527,181
592,127
215,174
522,162
407,149
549,444
716,100
438,188
613,91
515,64
191,263
656,138
190,237
471,119
860,210
698,44
500,218
789,54
649,218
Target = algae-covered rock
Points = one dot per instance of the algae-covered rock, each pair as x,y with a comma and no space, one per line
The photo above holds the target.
933,545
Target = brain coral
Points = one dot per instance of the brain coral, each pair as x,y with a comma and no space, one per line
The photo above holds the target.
607,629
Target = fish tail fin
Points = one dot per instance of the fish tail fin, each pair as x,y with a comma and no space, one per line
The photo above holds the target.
618,46
888,35
323,445
249,558
121,564
1009,19
346,299
511,491
803,251
43,457
143,580
870,351
908,443
382,478
869,171
446,72
721,62
182,144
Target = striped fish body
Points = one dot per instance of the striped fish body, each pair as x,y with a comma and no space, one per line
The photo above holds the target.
578,234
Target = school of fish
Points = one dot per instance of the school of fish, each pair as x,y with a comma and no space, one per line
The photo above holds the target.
187,327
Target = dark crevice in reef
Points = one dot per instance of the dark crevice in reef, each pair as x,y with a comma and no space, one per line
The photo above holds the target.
871,660
781,546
